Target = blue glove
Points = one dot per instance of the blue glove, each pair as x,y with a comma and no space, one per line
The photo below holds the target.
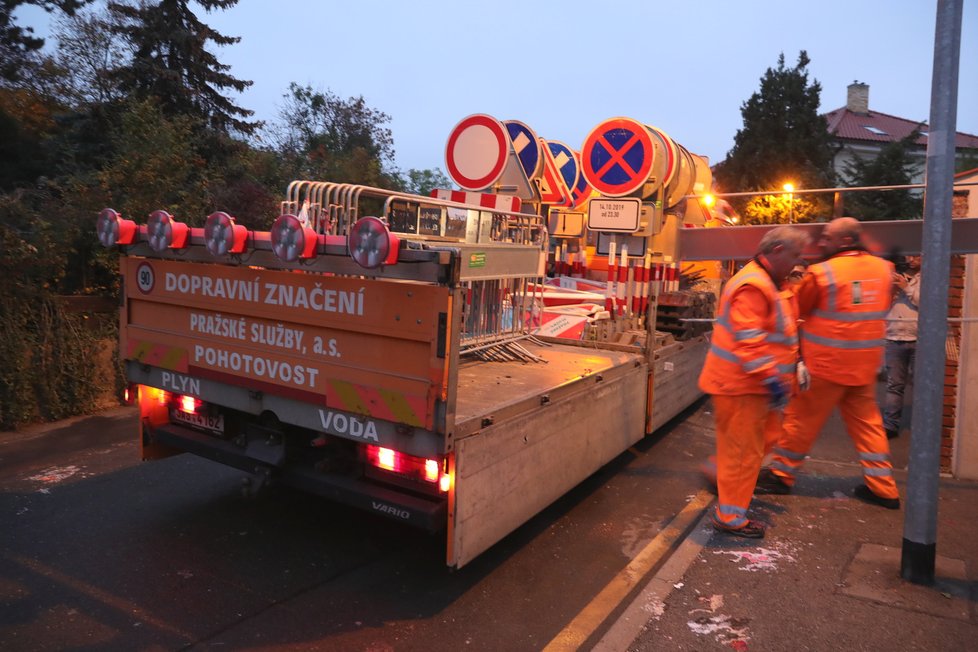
779,392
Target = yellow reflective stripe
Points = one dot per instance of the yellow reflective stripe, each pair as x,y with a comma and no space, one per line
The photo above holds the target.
399,407
349,396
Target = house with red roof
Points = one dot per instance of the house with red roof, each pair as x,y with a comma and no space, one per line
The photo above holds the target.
863,133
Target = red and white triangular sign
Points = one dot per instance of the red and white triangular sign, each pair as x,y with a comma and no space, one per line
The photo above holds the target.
553,190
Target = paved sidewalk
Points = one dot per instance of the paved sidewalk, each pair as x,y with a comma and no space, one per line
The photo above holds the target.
827,576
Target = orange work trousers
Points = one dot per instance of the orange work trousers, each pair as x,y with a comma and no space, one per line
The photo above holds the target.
772,435
807,413
741,422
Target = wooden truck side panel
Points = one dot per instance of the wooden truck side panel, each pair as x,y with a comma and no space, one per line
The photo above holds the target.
541,442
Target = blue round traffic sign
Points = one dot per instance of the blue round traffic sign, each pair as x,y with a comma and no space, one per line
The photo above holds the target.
526,147
617,157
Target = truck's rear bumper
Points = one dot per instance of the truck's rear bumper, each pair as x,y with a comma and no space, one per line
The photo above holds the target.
400,506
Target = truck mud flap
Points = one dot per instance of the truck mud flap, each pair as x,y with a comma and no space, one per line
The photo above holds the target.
429,515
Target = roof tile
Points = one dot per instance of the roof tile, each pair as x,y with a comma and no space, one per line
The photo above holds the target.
847,125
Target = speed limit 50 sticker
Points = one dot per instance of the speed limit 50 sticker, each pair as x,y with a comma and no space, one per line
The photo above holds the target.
145,278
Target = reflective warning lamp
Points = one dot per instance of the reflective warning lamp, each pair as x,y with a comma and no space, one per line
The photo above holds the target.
112,229
222,236
371,244
165,232
291,240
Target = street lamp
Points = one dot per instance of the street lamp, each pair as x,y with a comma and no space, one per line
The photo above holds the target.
790,188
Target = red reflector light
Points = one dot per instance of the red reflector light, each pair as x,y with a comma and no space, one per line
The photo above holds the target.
371,244
112,229
291,240
222,236
164,232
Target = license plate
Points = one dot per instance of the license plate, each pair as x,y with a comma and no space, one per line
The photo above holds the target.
206,421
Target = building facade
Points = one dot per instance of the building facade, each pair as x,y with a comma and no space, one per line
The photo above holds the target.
861,132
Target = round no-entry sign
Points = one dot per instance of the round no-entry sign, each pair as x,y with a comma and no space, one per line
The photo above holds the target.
476,152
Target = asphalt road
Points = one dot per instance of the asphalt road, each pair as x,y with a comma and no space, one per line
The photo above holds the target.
101,551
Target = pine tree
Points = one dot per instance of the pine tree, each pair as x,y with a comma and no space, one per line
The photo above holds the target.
172,66
783,138
18,45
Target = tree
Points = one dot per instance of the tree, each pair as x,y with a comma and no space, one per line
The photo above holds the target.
324,137
156,166
422,182
172,66
783,138
91,57
893,166
18,45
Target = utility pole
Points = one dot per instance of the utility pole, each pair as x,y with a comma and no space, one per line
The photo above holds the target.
918,559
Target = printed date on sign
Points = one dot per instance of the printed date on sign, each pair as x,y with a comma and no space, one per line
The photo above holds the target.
620,215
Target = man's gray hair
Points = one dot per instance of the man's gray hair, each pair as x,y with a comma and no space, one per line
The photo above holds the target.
782,235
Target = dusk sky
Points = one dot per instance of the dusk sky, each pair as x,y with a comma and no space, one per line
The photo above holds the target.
563,67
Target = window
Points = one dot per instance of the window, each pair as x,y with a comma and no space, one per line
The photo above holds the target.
875,130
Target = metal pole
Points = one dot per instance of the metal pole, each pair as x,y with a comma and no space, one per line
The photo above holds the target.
920,525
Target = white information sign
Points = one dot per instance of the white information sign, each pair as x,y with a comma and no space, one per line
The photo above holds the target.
619,215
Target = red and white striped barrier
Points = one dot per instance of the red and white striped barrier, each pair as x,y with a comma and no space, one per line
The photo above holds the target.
501,203
609,296
622,289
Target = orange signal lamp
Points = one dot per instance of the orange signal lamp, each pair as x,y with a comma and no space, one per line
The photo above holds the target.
223,236
112,229
164,232
709,200
291,241
789,187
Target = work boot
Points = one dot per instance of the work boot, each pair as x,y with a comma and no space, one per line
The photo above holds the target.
753,529
769,482
865,494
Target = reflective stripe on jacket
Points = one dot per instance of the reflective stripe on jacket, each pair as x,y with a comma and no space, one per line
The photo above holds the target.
755,336
842,337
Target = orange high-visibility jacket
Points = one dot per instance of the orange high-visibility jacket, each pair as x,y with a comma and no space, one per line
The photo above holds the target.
844,301
755,336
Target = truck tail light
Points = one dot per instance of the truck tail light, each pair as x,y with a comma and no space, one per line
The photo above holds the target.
431,470
371,244
165,232
188,404
152,394
222,236
112,229
291,241
130,395
421,469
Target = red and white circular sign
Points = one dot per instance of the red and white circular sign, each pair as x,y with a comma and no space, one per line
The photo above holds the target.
476,152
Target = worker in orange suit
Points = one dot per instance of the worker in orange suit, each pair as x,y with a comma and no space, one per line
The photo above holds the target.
843,302
750,372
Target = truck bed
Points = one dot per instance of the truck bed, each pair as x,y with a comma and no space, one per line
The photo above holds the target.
496,391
